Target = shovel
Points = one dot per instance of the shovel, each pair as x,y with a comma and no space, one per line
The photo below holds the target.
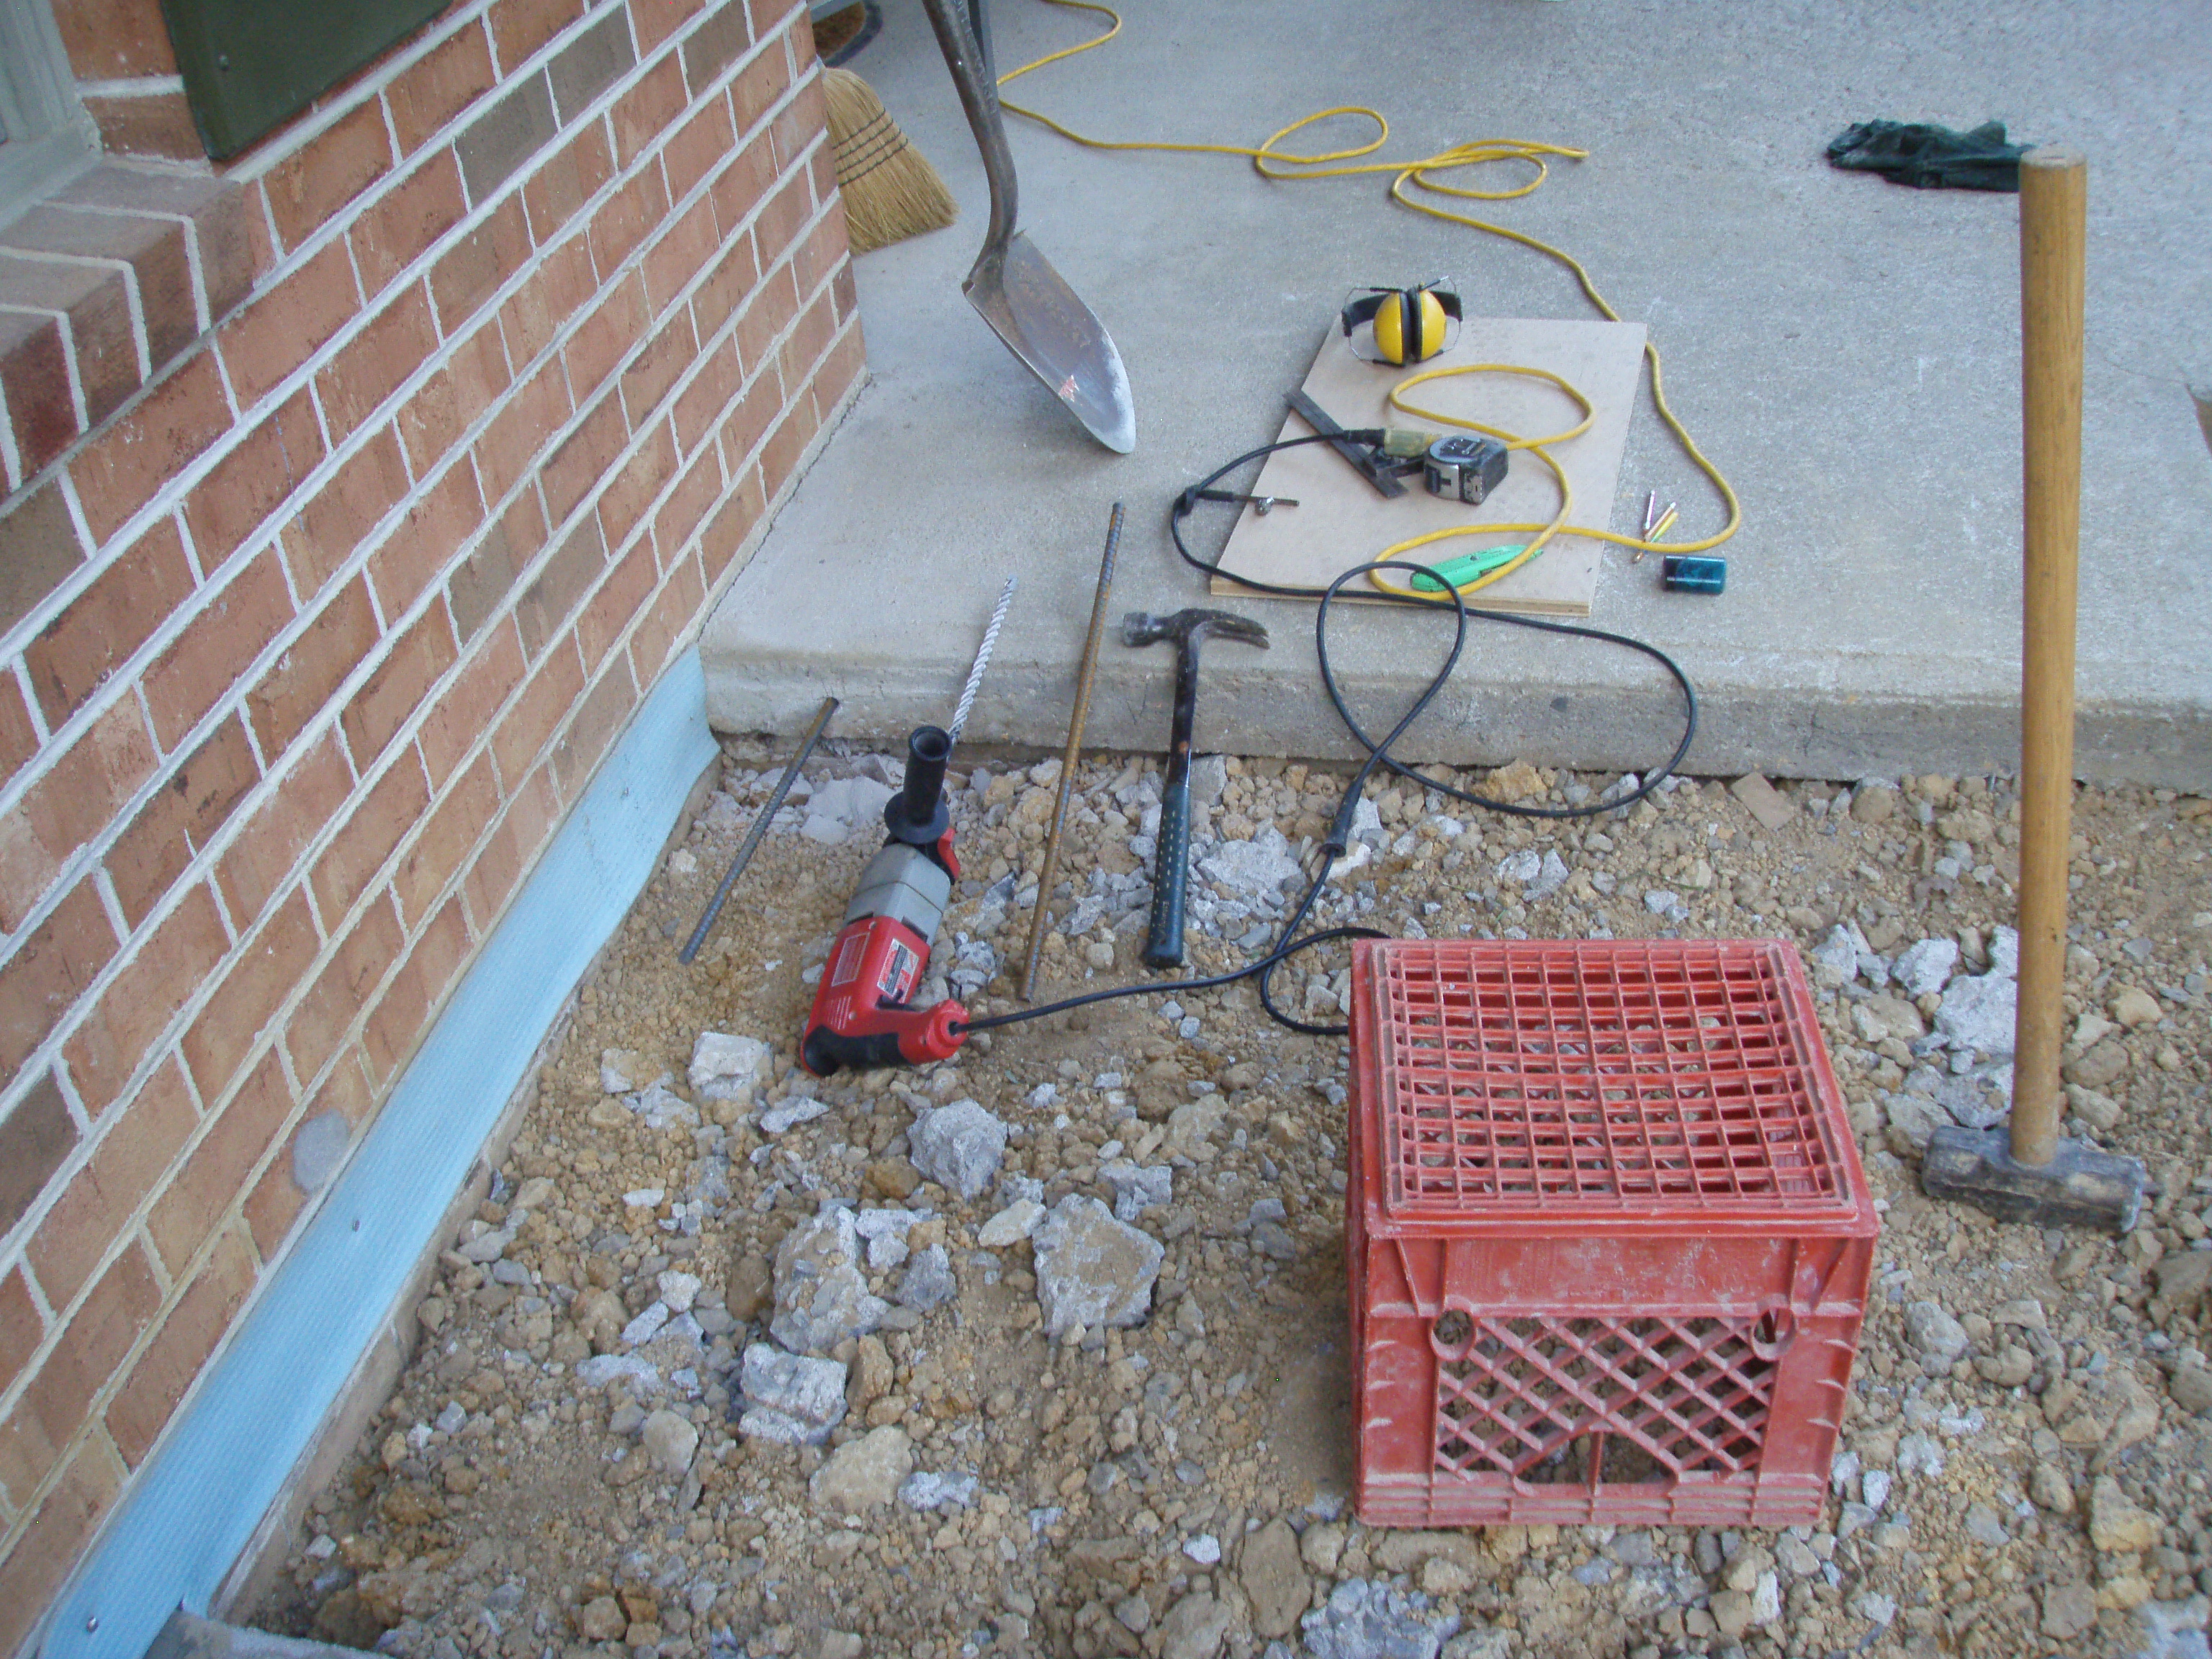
1027,303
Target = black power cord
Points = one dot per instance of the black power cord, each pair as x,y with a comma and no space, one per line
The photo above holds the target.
1288,944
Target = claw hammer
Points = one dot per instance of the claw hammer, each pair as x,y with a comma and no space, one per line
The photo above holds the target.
1171,865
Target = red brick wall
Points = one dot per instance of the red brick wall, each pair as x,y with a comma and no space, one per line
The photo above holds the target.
357,494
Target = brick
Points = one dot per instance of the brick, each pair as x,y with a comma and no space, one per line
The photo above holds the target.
153,251
80,793
289,323
680,603
786,447
799,124
274,1203
480,582
839,371
19,738
104,625
644,112
38,547
149,446
421,545
399,226
181,820
567,180
549,298
93,304
472,270
512,847
322,536
48,970
590,63
442,83
259,473
656,20
470,381
698,147
398,1022
270,966
843,290
108,1324
115,40
446,842
522,731
743,186
464,710
217,647
699,406
820,251
213,210
312,668
318,1024
242,1131
371,366
306,189
21,1330
398,685
505,136
520,27
34,383
91,1212
33,1572
506,452
139,1003
666,355
259,859
695,494
680,255
600,715
748,422
628,584
142,1406
733,276
154,124
366,839
604,338
800,33
758,87
581,459
732,525
640,479
626,220
560,585
780,219
762,320
717,43
35,1136
809,338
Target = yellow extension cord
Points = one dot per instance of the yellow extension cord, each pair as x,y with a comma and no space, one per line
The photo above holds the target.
1272,163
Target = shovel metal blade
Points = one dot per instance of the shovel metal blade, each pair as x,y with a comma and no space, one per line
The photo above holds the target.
1030,306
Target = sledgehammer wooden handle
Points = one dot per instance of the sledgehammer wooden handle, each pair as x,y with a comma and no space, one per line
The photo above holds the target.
2053,198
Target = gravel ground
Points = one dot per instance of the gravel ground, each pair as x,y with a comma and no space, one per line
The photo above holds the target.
1042,1350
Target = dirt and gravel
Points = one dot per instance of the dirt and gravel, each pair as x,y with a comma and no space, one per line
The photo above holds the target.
695,1257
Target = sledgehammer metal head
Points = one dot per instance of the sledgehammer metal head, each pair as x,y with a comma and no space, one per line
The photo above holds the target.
2081,1187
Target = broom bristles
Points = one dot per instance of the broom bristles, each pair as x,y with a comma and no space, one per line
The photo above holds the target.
891,193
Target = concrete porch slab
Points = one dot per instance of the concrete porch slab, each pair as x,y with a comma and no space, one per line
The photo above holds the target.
1847,351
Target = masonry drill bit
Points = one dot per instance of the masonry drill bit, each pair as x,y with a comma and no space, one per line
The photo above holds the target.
752,842
982,660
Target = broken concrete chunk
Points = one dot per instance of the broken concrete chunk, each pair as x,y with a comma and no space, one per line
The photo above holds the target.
729,1067
1092,1270
800,1399
821,1295
959,1147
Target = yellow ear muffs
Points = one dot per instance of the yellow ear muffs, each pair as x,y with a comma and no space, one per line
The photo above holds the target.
1410,325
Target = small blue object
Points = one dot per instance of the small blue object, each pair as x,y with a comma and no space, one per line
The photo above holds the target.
1687,573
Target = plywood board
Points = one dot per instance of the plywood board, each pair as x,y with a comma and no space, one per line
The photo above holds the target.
1340,521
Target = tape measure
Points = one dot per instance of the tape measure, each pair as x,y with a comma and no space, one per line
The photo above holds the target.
1404,325
1464,467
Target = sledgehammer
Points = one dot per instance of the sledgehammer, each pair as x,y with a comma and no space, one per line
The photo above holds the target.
2030,1174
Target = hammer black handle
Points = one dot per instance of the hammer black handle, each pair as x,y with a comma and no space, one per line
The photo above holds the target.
1171,864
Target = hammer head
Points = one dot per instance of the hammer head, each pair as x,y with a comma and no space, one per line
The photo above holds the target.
1144,627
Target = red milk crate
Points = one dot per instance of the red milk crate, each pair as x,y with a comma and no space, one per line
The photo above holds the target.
1608,1234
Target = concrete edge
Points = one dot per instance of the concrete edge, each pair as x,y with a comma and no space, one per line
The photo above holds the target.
301,1359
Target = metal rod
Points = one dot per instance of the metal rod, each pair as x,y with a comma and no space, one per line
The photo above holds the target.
982,661
2053,197
759,830
1076,718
